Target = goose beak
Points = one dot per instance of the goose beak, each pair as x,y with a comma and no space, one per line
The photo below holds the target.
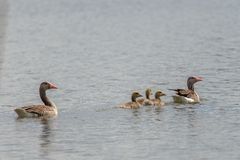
52,86
199,78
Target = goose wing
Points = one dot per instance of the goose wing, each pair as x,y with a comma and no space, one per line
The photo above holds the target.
38,109
182,92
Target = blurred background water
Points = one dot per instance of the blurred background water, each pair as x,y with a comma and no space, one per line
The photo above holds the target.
97,53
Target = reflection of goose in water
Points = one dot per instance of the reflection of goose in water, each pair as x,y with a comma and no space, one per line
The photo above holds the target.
45,138
46,130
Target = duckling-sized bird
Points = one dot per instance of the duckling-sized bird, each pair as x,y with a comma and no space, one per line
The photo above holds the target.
146,101
187,95
157,101
133,104
49,109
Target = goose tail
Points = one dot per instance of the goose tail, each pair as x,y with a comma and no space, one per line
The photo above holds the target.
21,112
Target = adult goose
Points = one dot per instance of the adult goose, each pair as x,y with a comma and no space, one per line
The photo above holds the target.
146,101
133,104
157,101
187,95
49,109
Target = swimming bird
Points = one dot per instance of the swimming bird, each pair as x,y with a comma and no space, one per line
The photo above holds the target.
157,101
49,109
133,104
146,101
187,95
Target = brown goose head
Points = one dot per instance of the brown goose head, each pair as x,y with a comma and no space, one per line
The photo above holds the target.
46,85
135,95
192,80
148,93
158,94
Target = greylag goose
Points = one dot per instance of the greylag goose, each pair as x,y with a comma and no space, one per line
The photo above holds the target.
187,95
146,101
133,104
157,101
49,109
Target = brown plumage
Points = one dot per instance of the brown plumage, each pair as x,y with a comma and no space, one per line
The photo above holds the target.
157,101
187,95
133,104
38,110
47,110
146,101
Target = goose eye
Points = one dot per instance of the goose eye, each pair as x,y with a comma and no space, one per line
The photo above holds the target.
45,83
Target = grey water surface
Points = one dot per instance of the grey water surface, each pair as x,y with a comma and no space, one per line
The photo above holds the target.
97,52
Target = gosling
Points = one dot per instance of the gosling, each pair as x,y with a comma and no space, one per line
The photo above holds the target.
157,101
133,104
147,101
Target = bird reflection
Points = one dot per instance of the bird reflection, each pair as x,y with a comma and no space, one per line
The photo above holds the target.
136,113
158,110
190,113
45,137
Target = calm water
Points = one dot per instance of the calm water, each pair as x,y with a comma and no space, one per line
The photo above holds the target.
97,52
